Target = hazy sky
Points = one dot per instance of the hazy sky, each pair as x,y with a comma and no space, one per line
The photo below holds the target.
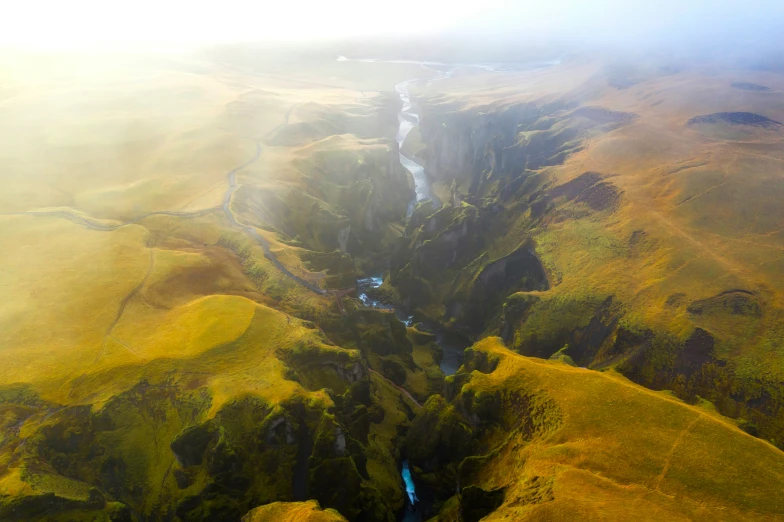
59,23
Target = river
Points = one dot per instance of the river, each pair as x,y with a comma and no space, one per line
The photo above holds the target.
452,346
450,362
452,353
407,121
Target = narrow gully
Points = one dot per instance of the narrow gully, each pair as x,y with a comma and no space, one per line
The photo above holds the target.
452,354
452,349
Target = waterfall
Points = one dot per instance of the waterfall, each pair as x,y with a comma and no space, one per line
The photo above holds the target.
410,488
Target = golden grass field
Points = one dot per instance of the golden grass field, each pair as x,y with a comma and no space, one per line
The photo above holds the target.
115,139
120,266
608,449
294,512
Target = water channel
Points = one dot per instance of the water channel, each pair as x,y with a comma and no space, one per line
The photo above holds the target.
451,352
452,346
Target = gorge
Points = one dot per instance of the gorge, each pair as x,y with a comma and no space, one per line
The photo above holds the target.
503,162
266,285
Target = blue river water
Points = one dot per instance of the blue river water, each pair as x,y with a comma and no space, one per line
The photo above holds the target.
452,357
410,488
452,351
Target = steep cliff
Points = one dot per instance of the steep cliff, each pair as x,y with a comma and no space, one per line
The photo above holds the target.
521,438
594,220
280,414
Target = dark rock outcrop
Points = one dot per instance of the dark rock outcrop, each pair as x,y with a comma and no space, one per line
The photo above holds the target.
476,503
734,302
746,86
736,118
507,141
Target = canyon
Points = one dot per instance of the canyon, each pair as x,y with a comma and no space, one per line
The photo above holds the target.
248,288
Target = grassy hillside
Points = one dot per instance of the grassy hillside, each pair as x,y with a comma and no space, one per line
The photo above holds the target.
646,199
199,362
159,225
553,441
292,511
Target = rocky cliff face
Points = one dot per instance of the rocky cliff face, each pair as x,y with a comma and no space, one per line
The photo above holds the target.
479,147
512,432
342,182
353,188
162,450
457,263
479,267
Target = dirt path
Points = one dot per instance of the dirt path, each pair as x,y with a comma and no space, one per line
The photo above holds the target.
671,453
402,390
676,229
117,317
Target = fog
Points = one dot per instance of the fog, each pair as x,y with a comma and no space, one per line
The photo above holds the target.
616,23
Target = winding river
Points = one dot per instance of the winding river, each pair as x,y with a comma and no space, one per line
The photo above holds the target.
408,119
452,349
451,352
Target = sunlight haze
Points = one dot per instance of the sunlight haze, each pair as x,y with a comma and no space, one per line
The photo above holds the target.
85,22
401,261
82,23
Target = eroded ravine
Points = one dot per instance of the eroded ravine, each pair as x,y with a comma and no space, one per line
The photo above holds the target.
408,119
452,352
